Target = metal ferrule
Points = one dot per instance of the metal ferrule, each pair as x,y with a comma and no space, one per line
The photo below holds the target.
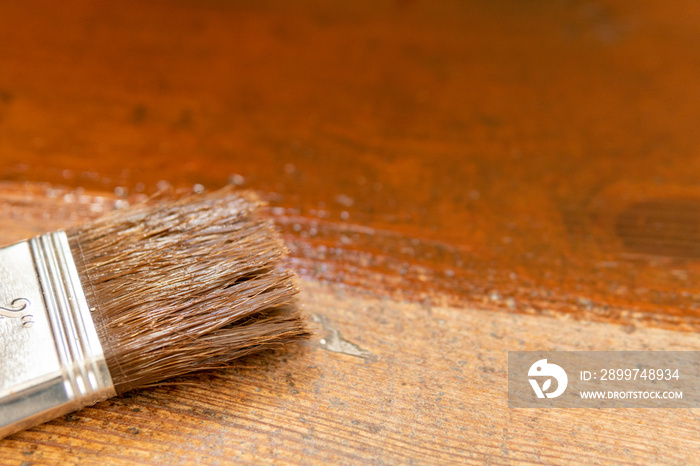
51,360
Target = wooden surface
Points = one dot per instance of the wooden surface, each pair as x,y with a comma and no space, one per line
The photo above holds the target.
455,180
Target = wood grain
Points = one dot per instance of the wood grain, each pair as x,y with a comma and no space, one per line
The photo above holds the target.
438,395
455,180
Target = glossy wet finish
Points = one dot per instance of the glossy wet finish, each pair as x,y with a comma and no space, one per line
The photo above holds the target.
515,140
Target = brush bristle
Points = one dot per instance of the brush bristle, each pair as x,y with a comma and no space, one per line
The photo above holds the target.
185,286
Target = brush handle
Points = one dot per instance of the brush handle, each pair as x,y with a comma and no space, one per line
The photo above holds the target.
51,359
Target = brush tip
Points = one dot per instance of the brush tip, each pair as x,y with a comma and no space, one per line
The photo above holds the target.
186,283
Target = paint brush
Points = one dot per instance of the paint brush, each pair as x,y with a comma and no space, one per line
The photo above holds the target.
143,294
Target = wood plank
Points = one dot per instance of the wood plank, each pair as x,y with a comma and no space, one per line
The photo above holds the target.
455,180
431,388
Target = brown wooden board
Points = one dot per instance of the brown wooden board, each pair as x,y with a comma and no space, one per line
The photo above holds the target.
454,180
